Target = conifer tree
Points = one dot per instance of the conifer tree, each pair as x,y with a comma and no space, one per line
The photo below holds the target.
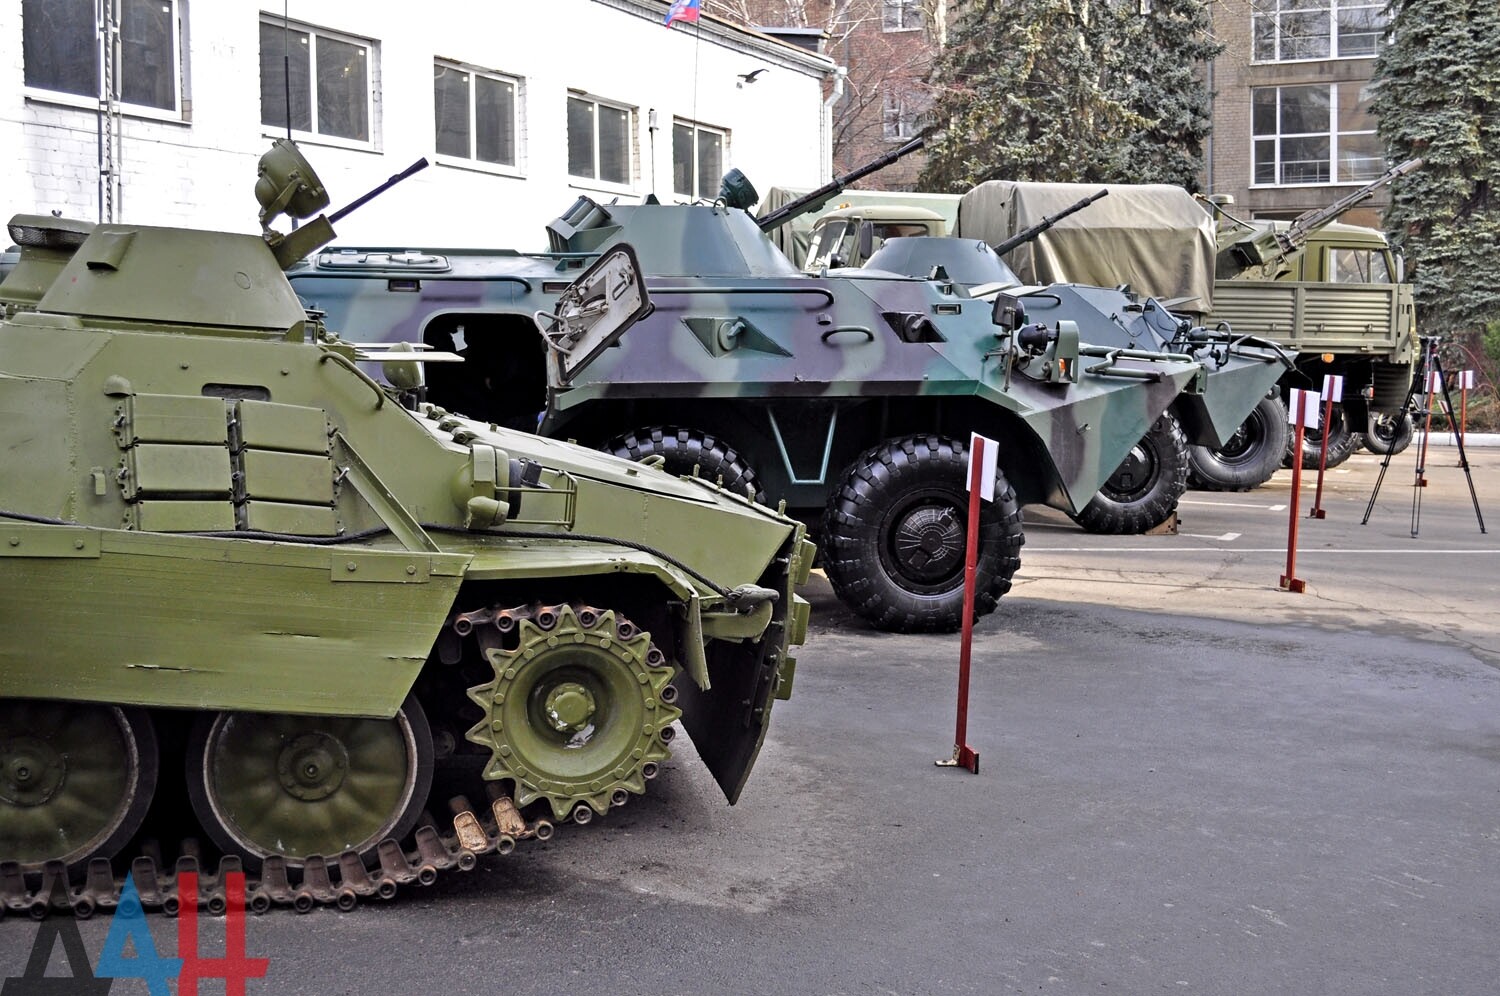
1070,90
1437,96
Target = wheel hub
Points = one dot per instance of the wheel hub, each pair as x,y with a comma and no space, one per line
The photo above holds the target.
312,766
32,771
575,713
1134,474
928,542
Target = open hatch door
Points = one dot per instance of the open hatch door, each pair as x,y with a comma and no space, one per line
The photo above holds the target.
592,313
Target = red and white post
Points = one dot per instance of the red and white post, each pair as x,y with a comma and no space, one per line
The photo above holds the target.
1303,412
1333,390
1465,382
982,460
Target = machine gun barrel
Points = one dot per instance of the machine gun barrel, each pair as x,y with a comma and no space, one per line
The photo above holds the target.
1310,221
814,199
358,202
1022,237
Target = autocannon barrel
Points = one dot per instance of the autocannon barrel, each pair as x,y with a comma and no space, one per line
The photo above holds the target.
814,199
1026,235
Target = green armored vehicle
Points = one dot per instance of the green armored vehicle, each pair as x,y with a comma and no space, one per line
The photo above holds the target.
849,398
245,581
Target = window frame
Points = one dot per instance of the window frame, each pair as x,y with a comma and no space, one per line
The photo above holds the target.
596,182
1332,132
371,48
175,114
696,128
1331,9
905,10
514,168
900,105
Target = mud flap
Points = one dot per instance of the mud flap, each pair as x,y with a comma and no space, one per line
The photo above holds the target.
728,722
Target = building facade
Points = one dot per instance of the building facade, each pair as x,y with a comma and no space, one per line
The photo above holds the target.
155,111
1292,128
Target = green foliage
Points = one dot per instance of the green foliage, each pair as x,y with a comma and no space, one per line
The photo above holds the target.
1438,97
1070,90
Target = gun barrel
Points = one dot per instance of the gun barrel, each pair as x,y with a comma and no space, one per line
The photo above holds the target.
415,167
814,199
1022,237
1309,221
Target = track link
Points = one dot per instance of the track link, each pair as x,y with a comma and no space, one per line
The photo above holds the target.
340,882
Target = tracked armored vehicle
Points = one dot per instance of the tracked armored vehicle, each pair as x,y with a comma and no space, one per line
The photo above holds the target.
849,398
256,604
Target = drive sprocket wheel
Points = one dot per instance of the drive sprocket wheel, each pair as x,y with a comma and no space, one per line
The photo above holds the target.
580,710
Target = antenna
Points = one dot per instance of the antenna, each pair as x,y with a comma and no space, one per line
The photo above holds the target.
286,64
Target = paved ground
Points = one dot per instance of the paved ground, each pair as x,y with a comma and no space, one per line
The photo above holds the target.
1191,781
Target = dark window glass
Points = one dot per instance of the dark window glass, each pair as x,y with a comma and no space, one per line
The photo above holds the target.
1263,112
343,90
494,121
580,138
1265,161
60,45
450,95
1304,109
682,159
1305,160
710,162
147,70
285,58
614,144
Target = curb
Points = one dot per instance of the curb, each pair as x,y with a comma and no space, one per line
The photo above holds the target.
1471,439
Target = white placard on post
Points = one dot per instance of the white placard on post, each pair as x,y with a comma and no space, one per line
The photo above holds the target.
1333,387
1434,382
1466,380
987,470
1307,403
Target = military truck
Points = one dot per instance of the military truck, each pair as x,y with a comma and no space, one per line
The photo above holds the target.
258,604
850,398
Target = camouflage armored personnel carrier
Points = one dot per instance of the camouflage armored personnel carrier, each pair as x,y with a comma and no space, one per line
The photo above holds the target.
255,598
1333,293
1239,370
849,398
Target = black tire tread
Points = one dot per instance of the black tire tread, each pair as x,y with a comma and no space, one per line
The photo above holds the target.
851,540
683,449
1108,515
1209,471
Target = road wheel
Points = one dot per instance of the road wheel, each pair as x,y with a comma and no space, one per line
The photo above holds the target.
1341,442
894,537
1249,458
1389,434
684,449
75,780
298,786
1143,491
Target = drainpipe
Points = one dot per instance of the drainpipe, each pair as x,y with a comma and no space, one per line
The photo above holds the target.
840,73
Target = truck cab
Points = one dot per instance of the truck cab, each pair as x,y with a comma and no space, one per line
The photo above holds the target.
849,236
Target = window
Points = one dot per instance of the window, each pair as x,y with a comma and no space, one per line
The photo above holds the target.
328,76
1358,266
1314,134
900,119
60,46
475,113
697,159
1291,30
598,141
901,15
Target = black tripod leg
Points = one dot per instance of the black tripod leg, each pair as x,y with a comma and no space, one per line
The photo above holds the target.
1385,463
1458,436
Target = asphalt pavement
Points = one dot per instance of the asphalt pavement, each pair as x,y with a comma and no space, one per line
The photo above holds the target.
1191,780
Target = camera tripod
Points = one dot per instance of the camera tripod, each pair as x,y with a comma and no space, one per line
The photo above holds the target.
1422,386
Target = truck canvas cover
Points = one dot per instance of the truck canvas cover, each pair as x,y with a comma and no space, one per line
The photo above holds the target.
1153,236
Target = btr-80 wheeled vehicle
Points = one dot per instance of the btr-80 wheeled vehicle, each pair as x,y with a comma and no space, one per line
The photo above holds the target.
245,581
851,399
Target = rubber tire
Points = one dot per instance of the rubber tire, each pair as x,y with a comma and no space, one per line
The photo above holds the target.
684,449
198,792
1242,469
1341,442
858,534
1380,442
1120,512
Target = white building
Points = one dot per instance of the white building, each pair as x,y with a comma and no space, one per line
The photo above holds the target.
520,106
